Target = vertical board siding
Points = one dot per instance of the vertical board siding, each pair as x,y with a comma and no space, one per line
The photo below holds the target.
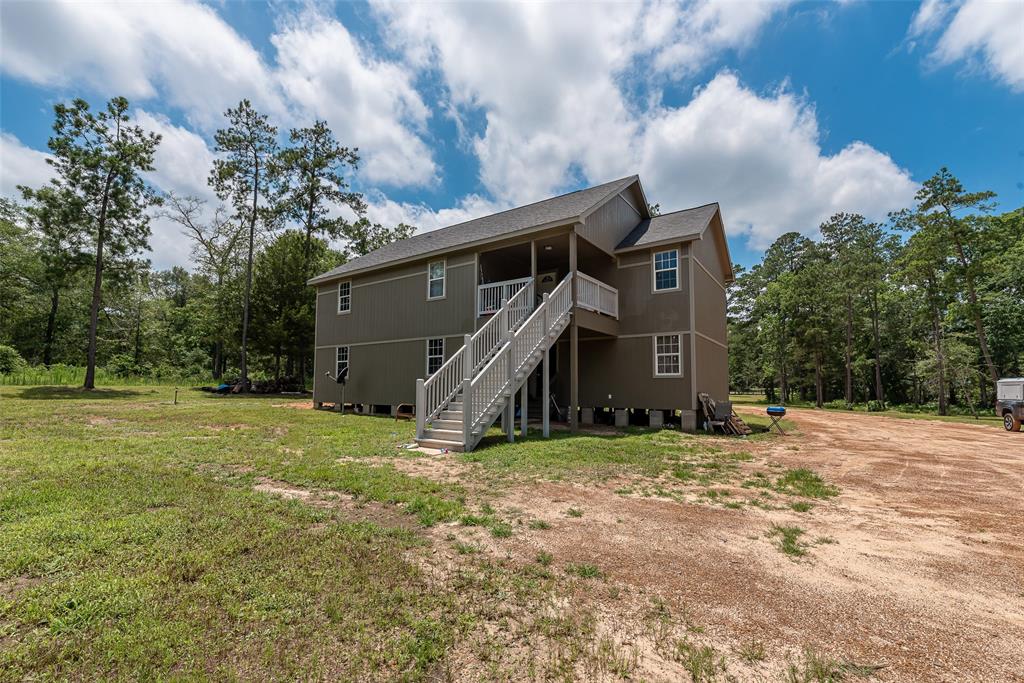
610,224
392,304
383,374
623,368
712,369
641,311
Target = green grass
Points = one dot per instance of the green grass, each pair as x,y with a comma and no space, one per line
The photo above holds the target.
804,482
788,539
584,570
135,547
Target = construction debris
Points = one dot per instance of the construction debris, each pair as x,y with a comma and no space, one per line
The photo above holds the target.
720,416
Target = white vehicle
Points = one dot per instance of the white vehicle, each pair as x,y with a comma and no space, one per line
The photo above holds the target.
1010,402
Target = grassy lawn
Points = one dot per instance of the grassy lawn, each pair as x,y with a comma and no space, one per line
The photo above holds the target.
136,545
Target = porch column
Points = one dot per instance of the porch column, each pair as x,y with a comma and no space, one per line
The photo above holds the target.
545,399
574,341
522,410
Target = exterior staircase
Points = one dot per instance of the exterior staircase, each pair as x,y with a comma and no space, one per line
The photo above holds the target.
457,404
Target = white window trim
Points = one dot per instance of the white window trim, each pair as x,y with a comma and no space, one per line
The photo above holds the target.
338,295
441,339
337,360
654,271
654,352
444,280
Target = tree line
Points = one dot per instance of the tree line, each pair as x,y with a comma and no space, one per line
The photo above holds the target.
75,288
925,310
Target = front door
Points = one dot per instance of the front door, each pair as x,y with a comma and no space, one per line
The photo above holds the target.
546,283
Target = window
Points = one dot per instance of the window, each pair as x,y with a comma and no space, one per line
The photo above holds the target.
667,355
342,360
666,270
344,297
435,355
435,280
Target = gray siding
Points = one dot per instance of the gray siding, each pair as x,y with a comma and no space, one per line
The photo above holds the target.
712,371
383,374
642,311
624,368
610,224
392,304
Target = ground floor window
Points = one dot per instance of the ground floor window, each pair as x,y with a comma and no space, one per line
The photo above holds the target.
435,355
667,355
342,361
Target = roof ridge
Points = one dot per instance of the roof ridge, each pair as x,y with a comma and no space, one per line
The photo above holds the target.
692,208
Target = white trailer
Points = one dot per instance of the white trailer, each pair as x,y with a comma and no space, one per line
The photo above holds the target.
1010,402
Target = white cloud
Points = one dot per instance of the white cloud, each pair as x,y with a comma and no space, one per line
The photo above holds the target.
183,160
21,165
385,211
179,50
558,87
986,34
760,157
369,103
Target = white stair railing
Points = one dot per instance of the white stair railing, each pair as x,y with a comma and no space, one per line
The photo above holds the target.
434,392
492,385
494,332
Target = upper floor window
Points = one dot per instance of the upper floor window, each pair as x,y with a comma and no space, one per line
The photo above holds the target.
435,280
667,355
666,270
341,361
344,297
435,355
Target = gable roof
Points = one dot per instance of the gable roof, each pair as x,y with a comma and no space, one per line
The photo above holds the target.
566,208
678,225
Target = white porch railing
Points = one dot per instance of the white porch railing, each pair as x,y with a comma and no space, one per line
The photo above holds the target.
492,295
594,295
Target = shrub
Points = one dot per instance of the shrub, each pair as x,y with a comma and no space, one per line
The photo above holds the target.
838,404
875,406
10,360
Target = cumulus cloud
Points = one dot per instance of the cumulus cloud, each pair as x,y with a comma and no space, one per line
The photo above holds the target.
558,88
185,56
985,34
178,50
21,165
369,103
760,157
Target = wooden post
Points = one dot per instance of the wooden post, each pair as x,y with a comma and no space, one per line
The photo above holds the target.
509,420
467,390
545,393
421,408
574,341
546,398
522,411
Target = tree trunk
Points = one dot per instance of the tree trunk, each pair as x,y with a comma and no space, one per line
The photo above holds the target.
879,389
277,361
97,284
217,350
939,361
849,351
248,280
819,398
51,326
972,295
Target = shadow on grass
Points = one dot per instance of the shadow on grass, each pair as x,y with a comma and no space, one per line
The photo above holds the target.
50,393
560,432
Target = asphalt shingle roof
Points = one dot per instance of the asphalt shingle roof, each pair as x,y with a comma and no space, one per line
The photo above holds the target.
669,226
564,208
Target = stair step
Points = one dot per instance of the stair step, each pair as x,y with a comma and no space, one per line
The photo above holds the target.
451,415
456,446
446,424
443,434
455,406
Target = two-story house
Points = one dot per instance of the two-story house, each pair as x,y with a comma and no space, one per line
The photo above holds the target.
577,304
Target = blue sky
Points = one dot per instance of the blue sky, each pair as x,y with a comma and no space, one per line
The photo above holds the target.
782,112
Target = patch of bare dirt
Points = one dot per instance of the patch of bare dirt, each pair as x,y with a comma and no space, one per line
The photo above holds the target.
297,405
429,465
11,588
352,508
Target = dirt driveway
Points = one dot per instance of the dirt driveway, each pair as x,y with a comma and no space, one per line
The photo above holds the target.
917,574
